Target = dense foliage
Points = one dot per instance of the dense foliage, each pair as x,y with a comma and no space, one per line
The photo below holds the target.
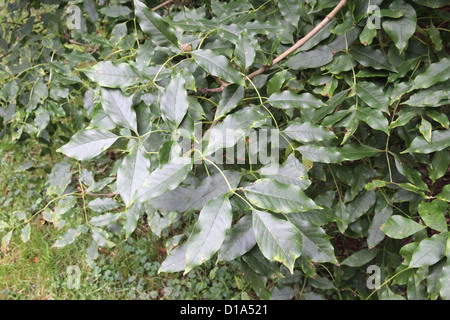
148,106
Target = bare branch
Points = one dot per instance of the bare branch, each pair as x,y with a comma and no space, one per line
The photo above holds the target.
165,3
106,195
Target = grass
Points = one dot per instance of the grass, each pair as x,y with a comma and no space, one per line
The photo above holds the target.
34,270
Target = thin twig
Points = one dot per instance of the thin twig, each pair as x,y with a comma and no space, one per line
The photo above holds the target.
212,90
162,5
303,40
106,195
282,56
5,54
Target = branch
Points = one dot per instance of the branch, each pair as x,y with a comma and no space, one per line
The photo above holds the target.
297,45
302,41
212,90
5,54
162,4
282,56
106,195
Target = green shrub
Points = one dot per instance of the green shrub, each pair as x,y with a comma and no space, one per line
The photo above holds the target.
350,101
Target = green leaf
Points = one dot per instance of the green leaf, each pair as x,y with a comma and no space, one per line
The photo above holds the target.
435,37
9,91
278,239
25,233
317,153
244,51
231,96
3,225
102,205
5,241
290,9
292,172
212,187
256,260
132,215
174,100
361,176
107,74
92,250
415,288
104,220
440,118
398,227
433,214
388,294
59,178
232,129
68,237
403,119
238,241
316,245
410,187
361,205
342,216
38,94
276,82
382,213
432,3
432,279
116,11
186,199
132,173
439,165
374,118
175,261
345,26
321,35
288,100
353,152
195,110
217,65
368,34
434,96
315,58
90,7
360,258
425,129
400,30
444,281
445,194
308,132
152,23
88,143
413,176
119,109
278,197
373,95
165,178
340,63
435,73
369,57
331,105
429,251
440,140
209,231
374,184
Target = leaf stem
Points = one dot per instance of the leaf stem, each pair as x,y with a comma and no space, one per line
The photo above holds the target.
221,172
388,280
